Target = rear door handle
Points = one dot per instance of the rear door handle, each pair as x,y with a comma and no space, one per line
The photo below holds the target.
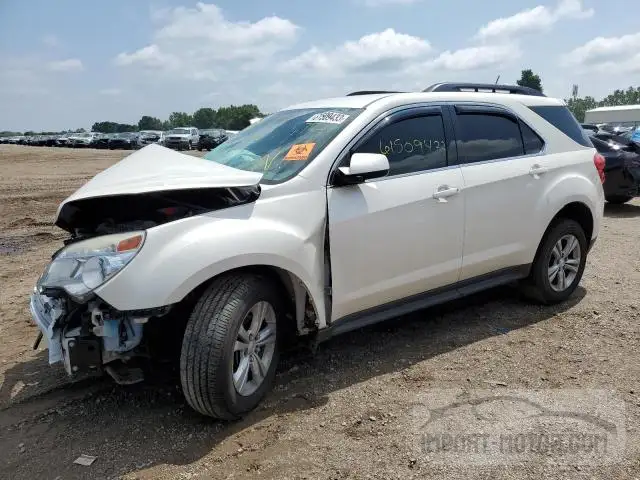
445,191
537,170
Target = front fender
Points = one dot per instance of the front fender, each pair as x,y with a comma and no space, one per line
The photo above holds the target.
179,256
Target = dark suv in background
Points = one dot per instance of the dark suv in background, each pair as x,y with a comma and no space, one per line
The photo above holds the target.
210,139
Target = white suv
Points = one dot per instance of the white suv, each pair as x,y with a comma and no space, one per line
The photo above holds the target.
319,219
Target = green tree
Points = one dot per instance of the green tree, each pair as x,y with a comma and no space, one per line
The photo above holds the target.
579,106
529,79
180,119
630,96
204,118
236,117
112,127
149,123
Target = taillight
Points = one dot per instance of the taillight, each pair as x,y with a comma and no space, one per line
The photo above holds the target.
599,162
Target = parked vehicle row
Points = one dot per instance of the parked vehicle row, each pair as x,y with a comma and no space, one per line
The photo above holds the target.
182,138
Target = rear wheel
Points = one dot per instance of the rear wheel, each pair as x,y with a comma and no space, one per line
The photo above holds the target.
230,346
559,263
618,199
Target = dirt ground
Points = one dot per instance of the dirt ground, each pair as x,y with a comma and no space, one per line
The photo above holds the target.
345,412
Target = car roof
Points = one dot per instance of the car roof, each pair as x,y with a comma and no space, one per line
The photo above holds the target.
363,101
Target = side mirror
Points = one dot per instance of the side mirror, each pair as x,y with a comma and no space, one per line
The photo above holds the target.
362,166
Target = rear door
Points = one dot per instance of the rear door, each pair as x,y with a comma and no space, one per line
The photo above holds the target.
504,176
400,235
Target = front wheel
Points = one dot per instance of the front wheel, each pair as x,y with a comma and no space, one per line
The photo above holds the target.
618,199
559,263
230,346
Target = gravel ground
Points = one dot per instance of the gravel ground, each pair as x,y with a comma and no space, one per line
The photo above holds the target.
355,409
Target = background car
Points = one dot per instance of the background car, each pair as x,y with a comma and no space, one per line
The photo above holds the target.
126,140
147,137
101,140
182,138
62,141
622,169
210,139
590,126
82,140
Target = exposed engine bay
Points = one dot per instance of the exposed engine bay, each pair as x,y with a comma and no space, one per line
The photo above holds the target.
123,213
84,332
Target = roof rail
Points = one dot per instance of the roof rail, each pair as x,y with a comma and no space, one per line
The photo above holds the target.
369,92
483,87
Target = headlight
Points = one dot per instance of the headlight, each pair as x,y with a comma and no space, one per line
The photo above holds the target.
84,266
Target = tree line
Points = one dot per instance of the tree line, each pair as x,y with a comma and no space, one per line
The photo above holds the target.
229,118
579,105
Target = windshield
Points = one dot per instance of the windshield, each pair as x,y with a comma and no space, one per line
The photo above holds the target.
180,131
283,143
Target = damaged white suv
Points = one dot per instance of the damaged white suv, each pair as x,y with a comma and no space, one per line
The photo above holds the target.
322,218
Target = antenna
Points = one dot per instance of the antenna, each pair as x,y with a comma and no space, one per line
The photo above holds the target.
497,79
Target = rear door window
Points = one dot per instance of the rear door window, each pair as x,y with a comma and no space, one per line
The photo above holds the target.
487,136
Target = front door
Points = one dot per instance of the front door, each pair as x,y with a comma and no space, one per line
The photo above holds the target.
400,235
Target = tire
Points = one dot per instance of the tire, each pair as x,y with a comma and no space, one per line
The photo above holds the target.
618,199
538,286
190,147
208,357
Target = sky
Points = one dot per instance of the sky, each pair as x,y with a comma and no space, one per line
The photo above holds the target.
70,63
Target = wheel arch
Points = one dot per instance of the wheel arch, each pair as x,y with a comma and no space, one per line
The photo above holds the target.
577,211
302,309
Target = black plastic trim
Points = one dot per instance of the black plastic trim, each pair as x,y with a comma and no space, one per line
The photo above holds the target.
370,92
424,300
483,87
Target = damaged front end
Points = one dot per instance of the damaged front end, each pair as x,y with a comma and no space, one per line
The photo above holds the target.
83,331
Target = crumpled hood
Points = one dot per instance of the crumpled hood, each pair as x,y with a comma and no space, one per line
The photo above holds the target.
155,168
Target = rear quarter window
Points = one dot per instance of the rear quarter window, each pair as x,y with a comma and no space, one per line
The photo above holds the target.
561,118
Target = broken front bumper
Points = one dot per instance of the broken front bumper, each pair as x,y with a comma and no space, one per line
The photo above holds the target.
46,311
84,344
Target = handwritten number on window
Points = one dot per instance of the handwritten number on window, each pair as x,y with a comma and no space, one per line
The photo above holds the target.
397,146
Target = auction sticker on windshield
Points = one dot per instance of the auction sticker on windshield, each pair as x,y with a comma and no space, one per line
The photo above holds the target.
300,151
328,117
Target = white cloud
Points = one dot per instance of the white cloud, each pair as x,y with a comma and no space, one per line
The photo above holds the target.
51,41
69,65
534,20
475,58
603,51
197,43
385,51
112,92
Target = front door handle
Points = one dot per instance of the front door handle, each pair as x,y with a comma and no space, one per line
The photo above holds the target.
537,170
445,191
